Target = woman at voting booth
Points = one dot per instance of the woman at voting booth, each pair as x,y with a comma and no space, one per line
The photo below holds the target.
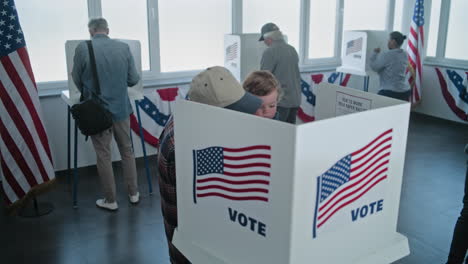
391,66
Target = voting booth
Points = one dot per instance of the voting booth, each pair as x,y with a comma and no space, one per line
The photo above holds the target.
356,49
256,190
135,92
243,53
72,96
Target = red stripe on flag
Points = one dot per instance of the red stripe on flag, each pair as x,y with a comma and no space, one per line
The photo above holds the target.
11,181
254,156
247,148
17,155
372,142
233,182
245,198
247,165
250,173
23,54
207,187
22,91
380,144
23,129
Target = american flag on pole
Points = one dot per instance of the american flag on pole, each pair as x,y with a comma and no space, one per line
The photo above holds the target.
353,46
25,157
240,174
351,177
414,49
231,51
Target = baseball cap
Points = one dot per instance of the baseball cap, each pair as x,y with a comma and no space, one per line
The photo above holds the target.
268,27
216,86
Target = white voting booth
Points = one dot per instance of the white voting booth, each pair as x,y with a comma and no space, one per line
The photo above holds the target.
256,190
72,96
135,92
356,49
243,53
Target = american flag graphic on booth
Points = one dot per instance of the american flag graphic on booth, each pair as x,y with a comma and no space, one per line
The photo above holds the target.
351,177
231,51
239,174
354,46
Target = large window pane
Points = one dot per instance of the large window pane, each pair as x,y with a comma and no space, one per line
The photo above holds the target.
397,26
192,33
433,28
457,39
365,14
128,20
285,14
46,25
322,29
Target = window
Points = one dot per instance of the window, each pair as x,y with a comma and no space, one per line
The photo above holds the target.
433,28
322,29
45,34
365,15
456,38
192,33
285,14
447,42
129,25
397,21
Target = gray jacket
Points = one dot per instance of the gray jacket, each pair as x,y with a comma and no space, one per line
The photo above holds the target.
116,71
391,67
282,60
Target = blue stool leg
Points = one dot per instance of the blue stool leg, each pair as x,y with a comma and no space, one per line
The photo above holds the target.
148,176
75,169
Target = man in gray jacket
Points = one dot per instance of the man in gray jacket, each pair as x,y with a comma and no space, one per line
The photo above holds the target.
116,71
282,60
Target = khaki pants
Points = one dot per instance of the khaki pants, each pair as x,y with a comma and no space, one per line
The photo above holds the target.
102,146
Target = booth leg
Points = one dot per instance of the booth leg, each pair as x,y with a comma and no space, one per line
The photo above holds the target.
75,168
68,148
148,176
366,84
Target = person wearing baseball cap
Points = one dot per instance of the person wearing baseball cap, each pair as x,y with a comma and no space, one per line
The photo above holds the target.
282,60
214,86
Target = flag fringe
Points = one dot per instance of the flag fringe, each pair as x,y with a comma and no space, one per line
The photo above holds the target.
34,192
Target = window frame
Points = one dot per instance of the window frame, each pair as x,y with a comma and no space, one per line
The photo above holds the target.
154,77
439,59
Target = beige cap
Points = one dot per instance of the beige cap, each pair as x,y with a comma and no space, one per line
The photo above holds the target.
216,86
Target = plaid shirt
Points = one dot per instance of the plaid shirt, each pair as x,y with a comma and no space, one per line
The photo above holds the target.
167,188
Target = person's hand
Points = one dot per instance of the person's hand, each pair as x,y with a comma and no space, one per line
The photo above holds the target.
377,50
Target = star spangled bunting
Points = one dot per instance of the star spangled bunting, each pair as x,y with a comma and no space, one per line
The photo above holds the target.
454,92
306,110
155,110
25,155
238,174
351,177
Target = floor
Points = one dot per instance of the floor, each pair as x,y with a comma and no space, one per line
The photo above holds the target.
430,203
